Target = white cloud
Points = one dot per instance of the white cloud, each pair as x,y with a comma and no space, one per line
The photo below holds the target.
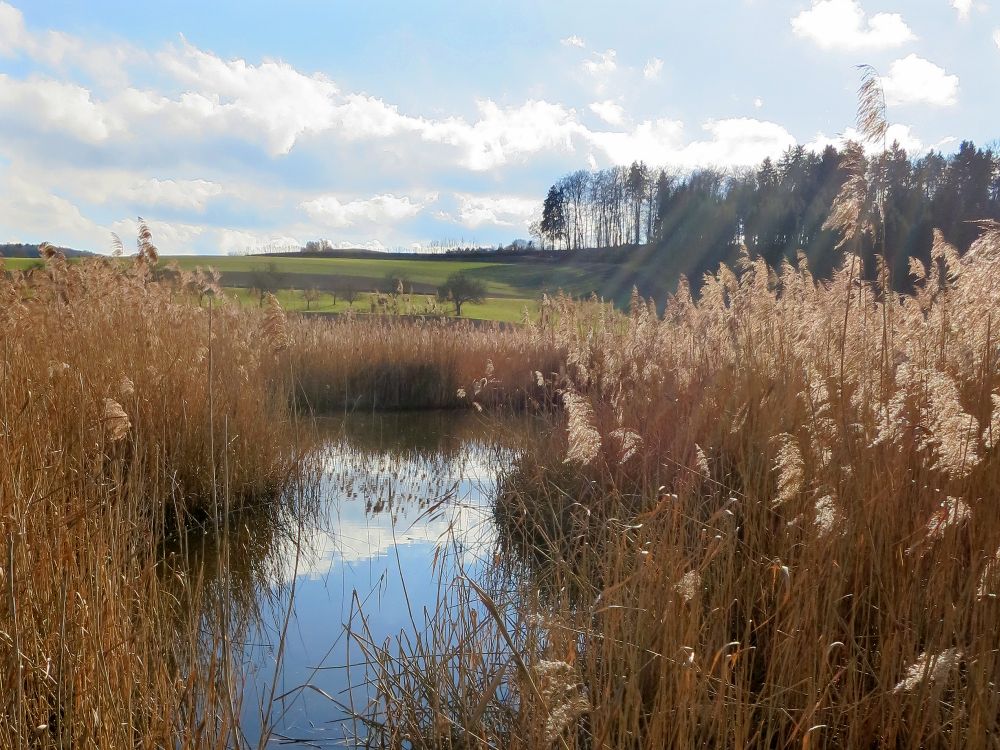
737,141
572,41
996,38
236,241
653,69
964,8
380,209
13,35
602,63
363,116
116,187
843,24
170,237
609,111
274,103
501,135
48,105
913,80
501,211
31,213
758,103
273,96
56,49
897,133
183,194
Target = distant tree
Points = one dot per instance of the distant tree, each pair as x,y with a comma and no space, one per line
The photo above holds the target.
311,294
636,189
350,294
318,246
553,224
266,280
535,230
575,187
460,288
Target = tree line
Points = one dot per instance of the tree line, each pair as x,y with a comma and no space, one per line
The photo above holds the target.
775,209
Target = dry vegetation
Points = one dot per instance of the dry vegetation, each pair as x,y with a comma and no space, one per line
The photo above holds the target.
768,523
125,409
135,405
393,363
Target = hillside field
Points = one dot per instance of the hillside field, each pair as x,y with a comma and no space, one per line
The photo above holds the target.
510,283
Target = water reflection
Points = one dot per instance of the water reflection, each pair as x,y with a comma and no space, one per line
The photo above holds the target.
395,496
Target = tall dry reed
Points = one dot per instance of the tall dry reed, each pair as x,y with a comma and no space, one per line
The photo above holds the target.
126,409
767,522
387,362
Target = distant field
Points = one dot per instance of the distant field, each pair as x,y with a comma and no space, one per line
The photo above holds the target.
429,273
504,309
509,283
522,279
21,264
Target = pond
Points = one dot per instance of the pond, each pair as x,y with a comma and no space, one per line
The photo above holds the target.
400,502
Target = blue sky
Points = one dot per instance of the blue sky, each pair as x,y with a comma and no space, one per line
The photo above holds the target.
397,124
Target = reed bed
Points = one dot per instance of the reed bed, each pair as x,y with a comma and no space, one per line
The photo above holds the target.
766,521
389,362
126,410
136,406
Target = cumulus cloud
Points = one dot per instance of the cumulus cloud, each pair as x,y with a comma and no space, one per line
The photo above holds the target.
183,194
13,34
170,237
503,134
843,24
30,213
653,69
231,241
964,8
572,41
55,106
609,111
897,133
272,97
55,49
736,141
330,211
500,211
126,187
913,80
601,63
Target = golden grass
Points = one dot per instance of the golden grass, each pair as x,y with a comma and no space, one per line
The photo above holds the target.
386,362
132,405
768,522
125,409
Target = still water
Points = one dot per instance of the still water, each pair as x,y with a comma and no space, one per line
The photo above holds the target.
400,503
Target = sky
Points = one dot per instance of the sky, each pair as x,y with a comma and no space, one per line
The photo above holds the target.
232,126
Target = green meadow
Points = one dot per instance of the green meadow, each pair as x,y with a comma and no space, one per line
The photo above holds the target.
510,284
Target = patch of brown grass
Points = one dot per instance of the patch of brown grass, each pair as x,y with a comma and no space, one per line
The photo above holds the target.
767,523
124,410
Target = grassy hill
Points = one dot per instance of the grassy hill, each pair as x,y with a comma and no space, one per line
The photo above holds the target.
511,283
610,274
